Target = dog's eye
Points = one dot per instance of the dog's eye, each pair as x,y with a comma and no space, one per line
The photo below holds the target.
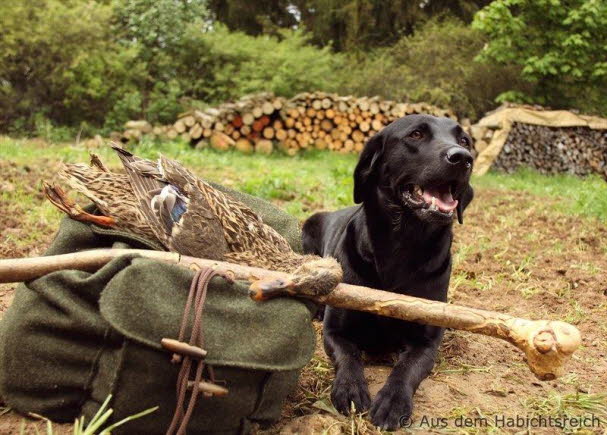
463,141
416,134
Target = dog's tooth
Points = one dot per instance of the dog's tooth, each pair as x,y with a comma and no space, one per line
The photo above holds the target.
433,205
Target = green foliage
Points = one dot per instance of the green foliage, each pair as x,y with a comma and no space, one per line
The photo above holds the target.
70,66
285,66
254,17
98,85
101,418
43,128
49,50
128,107
157,25
560,46
95,426
58,61
79,63
345,24
435,65
360,24
155,30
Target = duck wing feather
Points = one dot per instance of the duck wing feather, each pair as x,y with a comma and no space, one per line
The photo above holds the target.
179,215
243,229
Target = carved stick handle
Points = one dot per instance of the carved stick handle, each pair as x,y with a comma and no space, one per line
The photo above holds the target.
546,344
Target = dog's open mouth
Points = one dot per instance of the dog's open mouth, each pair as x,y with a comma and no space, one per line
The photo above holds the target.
433,198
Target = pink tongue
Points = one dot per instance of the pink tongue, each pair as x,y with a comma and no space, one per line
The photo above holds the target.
444,200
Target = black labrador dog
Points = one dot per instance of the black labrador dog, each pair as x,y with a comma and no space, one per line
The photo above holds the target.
411,179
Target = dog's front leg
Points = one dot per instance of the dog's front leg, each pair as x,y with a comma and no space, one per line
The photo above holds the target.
349,386
393,404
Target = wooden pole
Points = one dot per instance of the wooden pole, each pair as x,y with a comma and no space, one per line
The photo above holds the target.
546,344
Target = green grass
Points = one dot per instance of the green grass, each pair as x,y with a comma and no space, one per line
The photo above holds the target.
310,181
95,426
313,180
585,196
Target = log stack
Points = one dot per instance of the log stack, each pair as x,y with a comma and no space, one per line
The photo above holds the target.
136,130
549,141
248,124
576,150
341,123
262,122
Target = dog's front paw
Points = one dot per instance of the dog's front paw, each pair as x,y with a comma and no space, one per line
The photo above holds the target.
346,391
392,407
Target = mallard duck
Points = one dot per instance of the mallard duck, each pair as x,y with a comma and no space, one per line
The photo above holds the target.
164,202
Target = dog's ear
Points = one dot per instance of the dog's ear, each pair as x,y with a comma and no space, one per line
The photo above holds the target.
464,200
365,172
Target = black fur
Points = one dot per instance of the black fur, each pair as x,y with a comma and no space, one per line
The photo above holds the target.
386,243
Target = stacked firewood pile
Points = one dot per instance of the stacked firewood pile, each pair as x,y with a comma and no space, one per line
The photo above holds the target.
550,141
248,124
262,122
338,123
577,150
135,130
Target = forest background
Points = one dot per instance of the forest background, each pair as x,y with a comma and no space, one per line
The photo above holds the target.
69,66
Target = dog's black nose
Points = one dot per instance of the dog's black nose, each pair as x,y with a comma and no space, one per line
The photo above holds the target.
459,156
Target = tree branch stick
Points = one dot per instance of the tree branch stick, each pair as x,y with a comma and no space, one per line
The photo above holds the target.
546,344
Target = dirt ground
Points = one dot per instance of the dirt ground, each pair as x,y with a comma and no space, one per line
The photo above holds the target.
514,254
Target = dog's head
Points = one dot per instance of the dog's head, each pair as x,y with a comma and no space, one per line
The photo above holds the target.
418,163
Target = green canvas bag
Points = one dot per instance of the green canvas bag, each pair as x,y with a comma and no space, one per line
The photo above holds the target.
71,338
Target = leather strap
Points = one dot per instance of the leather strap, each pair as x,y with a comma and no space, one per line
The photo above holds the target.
195,301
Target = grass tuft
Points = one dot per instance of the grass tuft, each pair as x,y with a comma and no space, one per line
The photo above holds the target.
574,404
95,425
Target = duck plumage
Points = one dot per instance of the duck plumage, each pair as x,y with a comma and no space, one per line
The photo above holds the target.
165,202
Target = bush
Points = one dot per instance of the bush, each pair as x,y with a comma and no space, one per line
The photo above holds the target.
563,53
76,62
43,128
57,59
436,65
241,64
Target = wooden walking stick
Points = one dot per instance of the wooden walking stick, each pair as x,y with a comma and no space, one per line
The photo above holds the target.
547,344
